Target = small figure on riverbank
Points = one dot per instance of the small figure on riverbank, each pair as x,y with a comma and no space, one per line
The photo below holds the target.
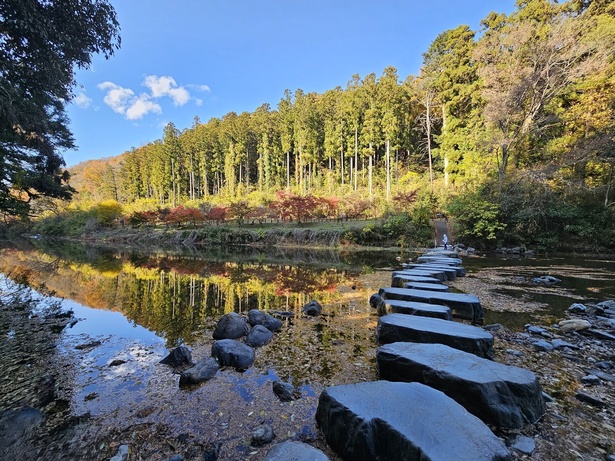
445,241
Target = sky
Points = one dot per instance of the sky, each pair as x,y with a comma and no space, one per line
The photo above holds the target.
186,58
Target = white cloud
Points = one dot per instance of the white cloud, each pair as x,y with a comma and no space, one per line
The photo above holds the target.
117,97
166,86
198,102
141,107
204,88
82,100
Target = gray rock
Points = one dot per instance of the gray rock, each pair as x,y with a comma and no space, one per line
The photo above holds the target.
515,352
203,371
561,344
294,451
599,334
262,436
122,454
177,357
232,353
231,326
608,304
285,391
313,308
591,380
574,325
546,280
604,365
176,458
401,280
18,423
374,300
409,328
259,336
402,421
440,275
534,330
500,395
543,346
577,308
463,305
427,286
591,399
256,317
525,445
393,306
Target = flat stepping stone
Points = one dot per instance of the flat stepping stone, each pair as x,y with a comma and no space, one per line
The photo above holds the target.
459,270
427,286
437,274
442,252
400,280
500,395
393,306
395,328
442,259
403,421
464,306
450,271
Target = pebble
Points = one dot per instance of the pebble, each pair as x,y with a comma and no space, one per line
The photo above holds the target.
523,444
122,454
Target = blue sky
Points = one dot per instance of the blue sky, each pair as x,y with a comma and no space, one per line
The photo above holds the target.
185,58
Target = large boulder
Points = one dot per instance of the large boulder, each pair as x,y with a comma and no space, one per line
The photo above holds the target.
500,395
395,328
203,371
231,326
313,308
259,336
393,306
403,421
295,451
256,317
232,353
465,306
178,357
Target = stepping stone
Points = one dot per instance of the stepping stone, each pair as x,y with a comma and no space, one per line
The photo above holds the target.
438,274
427,286
463,305
459,270
442,252
439,259
400,280
500,395
450,271
403,421
395,328
392,306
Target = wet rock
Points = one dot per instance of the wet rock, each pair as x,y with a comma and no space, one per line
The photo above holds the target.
546,280
313,308
534,330
232,353
591,399
178,357
88,345
295,451
122,454
258,336
256,317
525,445
395,420
408,328
561,344
285,391
45,389
500,395
543,346
574,325
203,371
393,306
231,326
590,380
17,424
262,436
374,300
117,362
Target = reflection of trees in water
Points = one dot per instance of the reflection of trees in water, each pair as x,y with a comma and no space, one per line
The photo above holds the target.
179,298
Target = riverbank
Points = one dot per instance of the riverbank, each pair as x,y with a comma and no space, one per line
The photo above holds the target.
161,420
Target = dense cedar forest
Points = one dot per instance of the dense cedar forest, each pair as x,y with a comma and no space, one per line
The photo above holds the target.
508,129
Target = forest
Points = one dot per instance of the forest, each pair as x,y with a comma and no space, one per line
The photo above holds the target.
508,130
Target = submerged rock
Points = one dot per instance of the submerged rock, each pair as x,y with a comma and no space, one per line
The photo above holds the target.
262,436
409,421
285,391
177,357
203,371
